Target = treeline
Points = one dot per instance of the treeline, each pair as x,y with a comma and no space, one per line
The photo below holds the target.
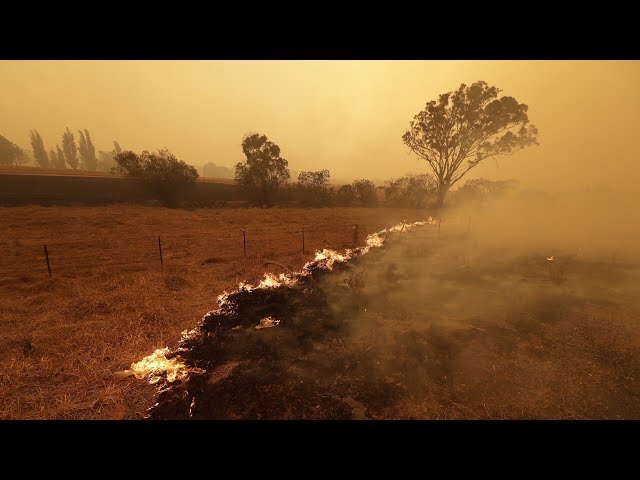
265,177
81,155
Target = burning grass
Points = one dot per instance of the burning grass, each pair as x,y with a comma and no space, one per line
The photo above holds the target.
109,303
499,341
433,325
157,364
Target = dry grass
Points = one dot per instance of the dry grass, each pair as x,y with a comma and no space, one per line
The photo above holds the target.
109,303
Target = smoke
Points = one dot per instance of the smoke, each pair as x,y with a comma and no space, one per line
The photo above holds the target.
524,312
476,322
595,223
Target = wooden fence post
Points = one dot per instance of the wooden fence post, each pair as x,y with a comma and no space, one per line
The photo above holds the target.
46,254
160,249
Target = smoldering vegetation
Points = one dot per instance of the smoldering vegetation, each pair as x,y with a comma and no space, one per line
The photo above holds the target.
465,320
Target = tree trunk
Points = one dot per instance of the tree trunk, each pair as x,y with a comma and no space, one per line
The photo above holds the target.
443,188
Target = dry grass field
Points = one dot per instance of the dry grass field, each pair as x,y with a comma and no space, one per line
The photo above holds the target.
109,303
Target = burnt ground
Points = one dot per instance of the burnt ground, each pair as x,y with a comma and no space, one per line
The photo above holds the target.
428,327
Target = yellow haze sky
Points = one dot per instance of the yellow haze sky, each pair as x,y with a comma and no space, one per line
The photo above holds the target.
347,116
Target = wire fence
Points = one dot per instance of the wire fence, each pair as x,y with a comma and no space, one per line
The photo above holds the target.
155,244
66,257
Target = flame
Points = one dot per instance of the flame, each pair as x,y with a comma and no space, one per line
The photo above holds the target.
329,257
269,281
189,334
155,366
374,240
267,322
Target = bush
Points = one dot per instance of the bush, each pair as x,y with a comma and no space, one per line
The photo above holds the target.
478,190
313,187
345,195
413,191
365,192
162,172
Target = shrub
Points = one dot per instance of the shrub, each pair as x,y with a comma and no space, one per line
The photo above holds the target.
412,191
365,192
162,172
478,190
345,195
313,187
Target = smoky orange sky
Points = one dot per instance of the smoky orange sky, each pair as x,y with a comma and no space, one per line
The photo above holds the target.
347,116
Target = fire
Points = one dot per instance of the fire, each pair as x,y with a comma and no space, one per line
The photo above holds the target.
269,281
157,365
374,240
329,257
267,322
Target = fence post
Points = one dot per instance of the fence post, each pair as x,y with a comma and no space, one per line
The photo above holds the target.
244,242
46,254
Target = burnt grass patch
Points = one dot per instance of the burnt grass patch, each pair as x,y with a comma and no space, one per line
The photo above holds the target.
526,350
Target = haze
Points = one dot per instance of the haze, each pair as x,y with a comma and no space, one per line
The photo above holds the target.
347,116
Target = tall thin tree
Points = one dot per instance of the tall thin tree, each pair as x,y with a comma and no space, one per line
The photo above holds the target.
70,149
87,150
53,158
61,163
91,150
39,152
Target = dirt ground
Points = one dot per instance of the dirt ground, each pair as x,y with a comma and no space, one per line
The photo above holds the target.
109,302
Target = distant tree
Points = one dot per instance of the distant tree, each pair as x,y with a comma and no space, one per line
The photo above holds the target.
412,191
314,187
39,152
20,157
70,149
53,157
60,158
465,127
57,158
264,171
116,148
479,190
10,153
345,195
365,192
87,151
161,171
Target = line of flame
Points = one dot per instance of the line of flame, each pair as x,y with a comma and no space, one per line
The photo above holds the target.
156,366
